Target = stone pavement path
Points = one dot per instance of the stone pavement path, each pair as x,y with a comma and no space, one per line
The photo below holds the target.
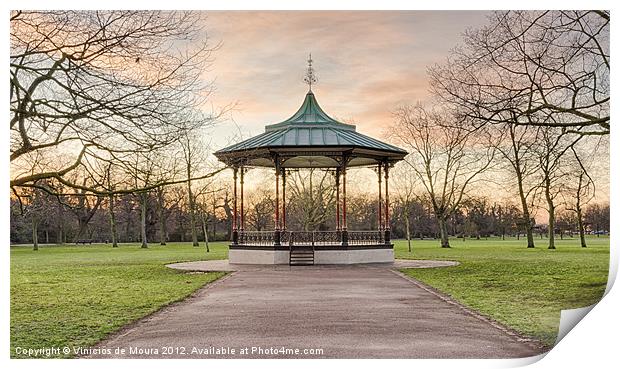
333,312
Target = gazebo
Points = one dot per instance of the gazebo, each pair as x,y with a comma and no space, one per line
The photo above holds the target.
311,139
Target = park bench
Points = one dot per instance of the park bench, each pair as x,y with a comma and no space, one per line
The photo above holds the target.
83,242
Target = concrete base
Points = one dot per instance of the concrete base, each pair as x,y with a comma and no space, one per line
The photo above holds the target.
272,257
364,256
332,257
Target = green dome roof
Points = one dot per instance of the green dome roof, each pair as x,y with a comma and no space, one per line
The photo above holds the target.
308,115
310,128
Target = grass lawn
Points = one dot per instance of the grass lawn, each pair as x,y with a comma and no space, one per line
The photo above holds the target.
76,295
519,287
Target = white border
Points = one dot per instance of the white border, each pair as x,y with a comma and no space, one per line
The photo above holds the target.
594,341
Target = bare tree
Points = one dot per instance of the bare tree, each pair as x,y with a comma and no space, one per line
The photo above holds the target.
405,180
550,151
515,146
84,209
145,171
194,159
580,191
534,68
205,230
446,159
99,85
36,208
312,198
208,189
597,218
261,207
111,206
161,214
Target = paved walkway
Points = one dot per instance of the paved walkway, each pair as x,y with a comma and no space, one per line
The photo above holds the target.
347,312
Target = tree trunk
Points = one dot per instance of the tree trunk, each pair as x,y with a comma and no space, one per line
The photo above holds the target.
407,228
443,231
85,215
161,210
35,235
143,220
47,236
527,222
229,216
205,230
112,222
192,211
61,237
128,226
181,229
526,211
582,232
551,210
214,221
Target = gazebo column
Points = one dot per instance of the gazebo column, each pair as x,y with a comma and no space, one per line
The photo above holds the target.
337,199
283,199
235,231
241,214
380,202
387,204
345,235
276,232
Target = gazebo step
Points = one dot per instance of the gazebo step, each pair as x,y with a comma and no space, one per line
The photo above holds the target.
297,262
301,256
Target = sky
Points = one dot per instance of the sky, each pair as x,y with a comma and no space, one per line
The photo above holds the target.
367,63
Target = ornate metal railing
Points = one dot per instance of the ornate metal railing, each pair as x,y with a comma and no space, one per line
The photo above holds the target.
366,237
311,238
285,238
256,238
314,238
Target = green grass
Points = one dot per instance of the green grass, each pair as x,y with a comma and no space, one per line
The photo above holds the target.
522,288
77,295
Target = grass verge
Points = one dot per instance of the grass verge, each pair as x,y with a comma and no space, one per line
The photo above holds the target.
522,288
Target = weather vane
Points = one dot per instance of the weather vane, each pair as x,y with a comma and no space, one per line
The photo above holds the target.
310,78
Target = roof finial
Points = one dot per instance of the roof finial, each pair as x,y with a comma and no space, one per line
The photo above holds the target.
310,78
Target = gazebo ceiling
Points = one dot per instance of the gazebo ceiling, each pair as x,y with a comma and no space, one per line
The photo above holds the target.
310,139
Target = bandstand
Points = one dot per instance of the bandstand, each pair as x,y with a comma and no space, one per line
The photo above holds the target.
311,139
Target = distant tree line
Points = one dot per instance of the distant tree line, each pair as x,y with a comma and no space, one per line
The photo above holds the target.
79,218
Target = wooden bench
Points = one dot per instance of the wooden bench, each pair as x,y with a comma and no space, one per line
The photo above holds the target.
84,242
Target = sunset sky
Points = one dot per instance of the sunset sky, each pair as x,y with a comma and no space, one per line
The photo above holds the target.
368,63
